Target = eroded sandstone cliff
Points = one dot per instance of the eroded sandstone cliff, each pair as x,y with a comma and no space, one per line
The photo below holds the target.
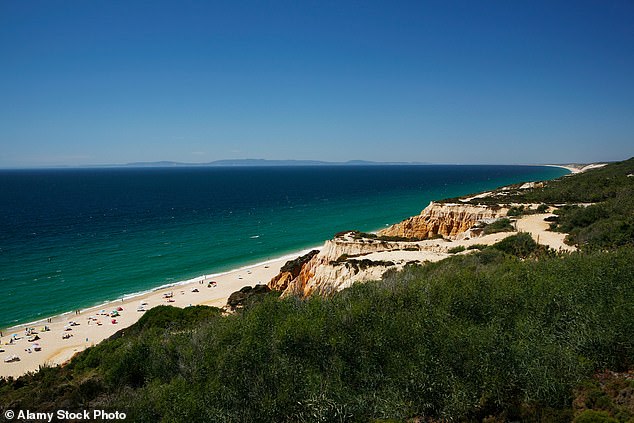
334,268
290,271
343,260
447,220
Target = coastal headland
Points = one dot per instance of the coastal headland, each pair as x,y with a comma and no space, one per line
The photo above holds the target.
438,232
518,299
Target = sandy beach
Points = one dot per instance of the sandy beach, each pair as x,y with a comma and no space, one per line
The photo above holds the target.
73,332
577,168
54,341
63,340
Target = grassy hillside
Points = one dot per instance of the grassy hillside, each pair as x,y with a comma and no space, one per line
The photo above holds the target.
511,332
596,207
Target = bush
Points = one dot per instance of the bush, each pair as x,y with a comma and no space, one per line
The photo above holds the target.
520,245
476,335
477,247
457,249
515,211
605,225
593,416
500,225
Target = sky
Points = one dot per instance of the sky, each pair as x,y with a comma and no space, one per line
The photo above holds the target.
480,82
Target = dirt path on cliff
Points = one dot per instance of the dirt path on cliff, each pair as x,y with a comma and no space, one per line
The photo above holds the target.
539,230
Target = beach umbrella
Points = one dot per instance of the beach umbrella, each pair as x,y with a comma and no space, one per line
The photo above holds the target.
119,308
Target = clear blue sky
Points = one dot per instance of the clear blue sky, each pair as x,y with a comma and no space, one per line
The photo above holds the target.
93,82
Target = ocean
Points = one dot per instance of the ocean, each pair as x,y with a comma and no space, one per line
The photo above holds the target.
73,238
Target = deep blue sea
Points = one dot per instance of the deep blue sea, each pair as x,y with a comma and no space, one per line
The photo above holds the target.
72,238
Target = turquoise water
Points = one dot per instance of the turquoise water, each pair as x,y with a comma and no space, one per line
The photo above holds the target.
75,238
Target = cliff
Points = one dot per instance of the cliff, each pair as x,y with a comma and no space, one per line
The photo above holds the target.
447,220
344,260
330,271
290,271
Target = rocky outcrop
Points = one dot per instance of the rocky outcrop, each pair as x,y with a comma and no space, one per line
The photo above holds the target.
447,220
343,260
329,271
239,298
290,271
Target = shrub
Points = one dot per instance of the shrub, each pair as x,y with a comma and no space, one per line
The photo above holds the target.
473,336
516,211
593,416
500,225
477,247
520,245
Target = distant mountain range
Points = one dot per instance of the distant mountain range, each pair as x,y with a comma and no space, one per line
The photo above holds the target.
264,162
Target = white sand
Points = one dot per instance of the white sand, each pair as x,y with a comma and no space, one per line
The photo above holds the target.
578,168
538,228
435,250
56,350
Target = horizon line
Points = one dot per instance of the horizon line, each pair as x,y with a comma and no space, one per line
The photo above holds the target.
277,163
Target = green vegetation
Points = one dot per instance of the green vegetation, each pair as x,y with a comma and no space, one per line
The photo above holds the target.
509,333
476,335
520,245
599,210
500,225
608,397
516,211
542,208
458,249
365,235
593,186
477,247
604,225
357,265
596,185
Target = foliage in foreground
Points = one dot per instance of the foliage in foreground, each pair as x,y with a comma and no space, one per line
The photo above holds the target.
473,336
511,332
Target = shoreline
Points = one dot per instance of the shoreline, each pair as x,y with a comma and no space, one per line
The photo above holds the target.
138,294
93,326
55,350
577,168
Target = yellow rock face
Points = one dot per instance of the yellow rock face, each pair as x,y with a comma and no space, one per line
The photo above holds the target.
447,220
324,274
